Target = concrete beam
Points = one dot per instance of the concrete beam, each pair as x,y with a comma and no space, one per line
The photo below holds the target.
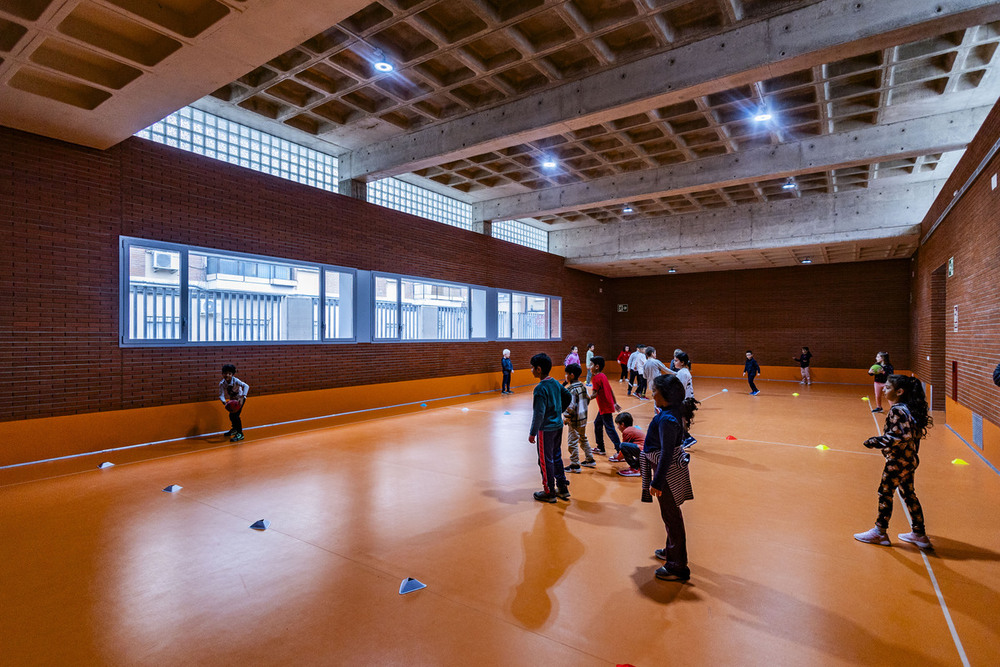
820,219
934,134
824,31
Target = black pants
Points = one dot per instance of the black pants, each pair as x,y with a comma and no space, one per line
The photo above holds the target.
624,372
606,421
640,390
632,379
750,378
234,419
673,521
550,461
505,386
631,453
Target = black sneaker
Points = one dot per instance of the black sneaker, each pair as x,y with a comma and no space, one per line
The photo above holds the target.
573,467
236,438
647,497
229,433
563,492
677,574
661,554
589,463
876,409
602,452
543,497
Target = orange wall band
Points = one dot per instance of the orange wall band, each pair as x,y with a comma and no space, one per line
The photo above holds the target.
30,440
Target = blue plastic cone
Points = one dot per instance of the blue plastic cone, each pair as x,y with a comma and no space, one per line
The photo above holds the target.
173,488
261,524
409,585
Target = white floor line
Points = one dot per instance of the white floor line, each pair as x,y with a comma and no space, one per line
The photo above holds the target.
937,590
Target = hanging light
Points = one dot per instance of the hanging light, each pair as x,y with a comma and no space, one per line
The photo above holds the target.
627,209
762,115
789,184
671,270
806,260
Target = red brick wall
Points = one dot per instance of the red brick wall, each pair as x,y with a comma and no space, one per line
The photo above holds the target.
971,234
62,209
845,313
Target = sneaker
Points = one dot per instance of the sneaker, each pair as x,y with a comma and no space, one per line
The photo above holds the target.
236,437
617,458
562,492
575,467
229,433
678,574
630,392
919,540
873,536
629,472
876,409
602,452
589,463
543,497
754,393
688,441
646,497
661,554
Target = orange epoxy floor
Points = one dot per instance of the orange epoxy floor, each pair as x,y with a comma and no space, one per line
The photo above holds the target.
102,567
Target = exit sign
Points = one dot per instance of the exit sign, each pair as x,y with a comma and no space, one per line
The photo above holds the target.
622,307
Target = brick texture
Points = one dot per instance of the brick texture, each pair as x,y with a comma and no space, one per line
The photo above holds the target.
970,233
63,207
844,313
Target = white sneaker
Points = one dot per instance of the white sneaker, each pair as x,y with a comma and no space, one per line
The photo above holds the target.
920,541
873,536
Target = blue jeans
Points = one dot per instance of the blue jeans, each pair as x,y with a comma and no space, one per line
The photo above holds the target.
608,422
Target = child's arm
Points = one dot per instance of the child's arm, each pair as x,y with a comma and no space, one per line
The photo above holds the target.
897,428
670,434
537,414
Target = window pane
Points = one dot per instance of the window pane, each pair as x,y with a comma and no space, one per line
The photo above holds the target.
478,313
555,324
503,315
241,302
386,307
154,294
434,311
339,305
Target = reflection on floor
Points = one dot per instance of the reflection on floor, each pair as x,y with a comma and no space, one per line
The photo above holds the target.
103,567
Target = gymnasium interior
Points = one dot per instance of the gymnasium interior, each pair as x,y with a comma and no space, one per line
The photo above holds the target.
361,205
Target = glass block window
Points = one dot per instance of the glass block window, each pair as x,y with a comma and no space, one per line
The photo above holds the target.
408,198
518,232
220,139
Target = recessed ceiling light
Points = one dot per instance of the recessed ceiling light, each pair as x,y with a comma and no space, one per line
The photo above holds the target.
762,115
381,63
671,270
549,163
806,260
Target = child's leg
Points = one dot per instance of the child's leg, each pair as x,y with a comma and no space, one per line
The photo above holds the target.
890,480
573,443
234,419
631,381
631,453
910,498
581,432
553,454
806,375
878,394
544,466
750,378
506,382
609,426
673,522
598,435
641,389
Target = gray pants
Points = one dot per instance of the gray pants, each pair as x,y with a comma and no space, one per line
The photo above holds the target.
577,436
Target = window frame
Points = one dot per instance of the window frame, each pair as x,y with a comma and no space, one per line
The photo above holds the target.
548,315
399,278
126,243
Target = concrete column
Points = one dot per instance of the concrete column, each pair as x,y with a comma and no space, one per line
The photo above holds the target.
354,188
484,227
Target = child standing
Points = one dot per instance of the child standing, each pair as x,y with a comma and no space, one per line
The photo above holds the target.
576,419
506,367
606,406
751,369
882,360
623,357
635,362
573,357
233,389
632,444
682,362
665,474
548,400
590,362
905,425
803,360
651,369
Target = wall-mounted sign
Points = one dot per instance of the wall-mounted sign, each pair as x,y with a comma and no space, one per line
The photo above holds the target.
622,307
956,318
951,266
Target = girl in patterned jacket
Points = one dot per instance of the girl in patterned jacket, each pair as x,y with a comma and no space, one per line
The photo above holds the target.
905,425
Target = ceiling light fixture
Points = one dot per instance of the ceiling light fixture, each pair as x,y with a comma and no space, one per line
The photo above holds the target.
789,184
381,63
762,115
549,163
627,209
671,270
806,260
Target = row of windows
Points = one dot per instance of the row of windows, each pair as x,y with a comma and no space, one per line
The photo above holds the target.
206,134
174,294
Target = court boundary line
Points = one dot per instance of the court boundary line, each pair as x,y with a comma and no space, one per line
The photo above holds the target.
974,450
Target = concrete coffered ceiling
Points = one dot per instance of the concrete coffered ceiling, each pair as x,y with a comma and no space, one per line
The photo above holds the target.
644,105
